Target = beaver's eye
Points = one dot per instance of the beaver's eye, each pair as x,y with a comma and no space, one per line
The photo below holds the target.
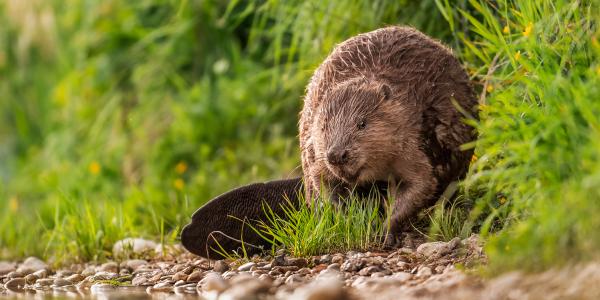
362,124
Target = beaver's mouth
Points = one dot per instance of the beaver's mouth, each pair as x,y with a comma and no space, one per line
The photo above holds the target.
346,175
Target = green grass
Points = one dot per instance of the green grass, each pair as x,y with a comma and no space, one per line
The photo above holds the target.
535,183
326,228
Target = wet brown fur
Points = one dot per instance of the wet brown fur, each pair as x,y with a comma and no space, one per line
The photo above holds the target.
401,84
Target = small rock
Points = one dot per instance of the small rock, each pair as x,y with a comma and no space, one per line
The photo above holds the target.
325,259
129,246
60,282
327,289
135,264
213,282
45,282
369,270
30,265
140,281
31,279
104,276
424,271
334,266
15,284
43,273
338,258
196,276
102,288
298,262
294,279
163,287
246,287
246,266
221,266
6,267
75,278
88,271
179,276
111,267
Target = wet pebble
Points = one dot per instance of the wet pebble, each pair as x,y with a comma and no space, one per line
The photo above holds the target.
15,284
59,282
31,264
110,267
246,266
221,266
213,282
180,276
140,281
195,276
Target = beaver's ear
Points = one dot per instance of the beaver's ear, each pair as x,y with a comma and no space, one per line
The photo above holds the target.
386,91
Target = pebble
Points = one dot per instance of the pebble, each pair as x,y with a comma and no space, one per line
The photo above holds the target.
327,289
298,262
30,265
15,284
59,282
221,266
41,273
6,267
75,278
104,276
45,282
246,266
369,270
195,276
213,282
424,271
111,267
179,276
140,281
163,287
294,279
135,264
31,279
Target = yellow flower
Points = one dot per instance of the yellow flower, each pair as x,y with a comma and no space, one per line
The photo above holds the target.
179,184
13,204
181,167
489,88
94,168
528,29
474,158
506,30
518,55
502,200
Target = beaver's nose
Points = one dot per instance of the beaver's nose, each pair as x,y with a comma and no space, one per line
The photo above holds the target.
337,156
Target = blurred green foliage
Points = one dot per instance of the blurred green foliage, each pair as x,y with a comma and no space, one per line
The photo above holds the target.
120,118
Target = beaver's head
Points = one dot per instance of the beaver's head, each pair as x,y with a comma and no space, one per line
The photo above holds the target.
358,130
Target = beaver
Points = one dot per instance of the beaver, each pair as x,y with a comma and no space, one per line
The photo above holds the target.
384,109
387,106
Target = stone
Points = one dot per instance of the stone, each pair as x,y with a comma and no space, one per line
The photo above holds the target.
179,276
129,246
424,271
162,287
75,278
353,265
30,265
31,279
334,266
41,273
196,276
60,282
294,279
221,266
326,289
369,270
244,288
6,267
298,262
104,276
135,264
111,267
437,249
213,282
325,259
337,258
246,266
15,284
45,282
140,281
